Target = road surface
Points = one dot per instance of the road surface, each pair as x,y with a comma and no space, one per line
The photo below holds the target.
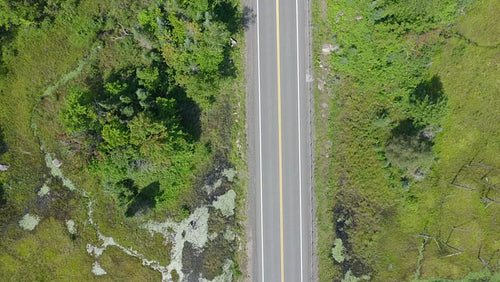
279,141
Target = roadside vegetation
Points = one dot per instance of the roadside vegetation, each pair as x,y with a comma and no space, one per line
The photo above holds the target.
408,167
114,115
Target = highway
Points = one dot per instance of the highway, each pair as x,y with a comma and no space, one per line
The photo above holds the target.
279,137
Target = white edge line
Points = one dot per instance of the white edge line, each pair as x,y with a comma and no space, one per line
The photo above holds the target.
298,123
260,148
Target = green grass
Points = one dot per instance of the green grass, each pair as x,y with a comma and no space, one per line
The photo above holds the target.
239,159
65,46
471,136
46,252
327,270
478,24
360,191
121,266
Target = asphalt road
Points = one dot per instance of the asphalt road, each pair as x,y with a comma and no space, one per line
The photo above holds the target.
279,141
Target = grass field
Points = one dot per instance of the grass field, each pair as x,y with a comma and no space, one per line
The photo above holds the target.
79,48
420,216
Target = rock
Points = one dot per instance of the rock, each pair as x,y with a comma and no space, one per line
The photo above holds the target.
44,190
97,269
309,77
321,85
225,203
419,173
229,173
29,222
57,163
427,134
4,167
70,224
326,49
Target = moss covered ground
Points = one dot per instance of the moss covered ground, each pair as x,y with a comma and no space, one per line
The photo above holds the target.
83,234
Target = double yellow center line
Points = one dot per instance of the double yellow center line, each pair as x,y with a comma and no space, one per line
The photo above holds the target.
280,146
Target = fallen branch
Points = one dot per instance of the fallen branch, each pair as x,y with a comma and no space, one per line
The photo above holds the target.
462,186
449,236
455,254
485,264
479,165
430,237
488,204
450,246
489,200
466,230
125,32
489,185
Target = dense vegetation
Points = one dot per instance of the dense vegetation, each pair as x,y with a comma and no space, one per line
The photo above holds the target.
139,121
137,100
410,189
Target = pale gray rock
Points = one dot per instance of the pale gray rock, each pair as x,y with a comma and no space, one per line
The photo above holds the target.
57,163
4,167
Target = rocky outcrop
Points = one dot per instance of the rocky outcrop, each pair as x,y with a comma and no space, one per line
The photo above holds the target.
4,167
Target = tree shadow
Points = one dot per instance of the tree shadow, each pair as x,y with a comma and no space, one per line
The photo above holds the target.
234,21
189,113
430,91
427,103
406,128
144,201
249,17
229,15
409,146
3,145
3,200
227,67
125,191
346,211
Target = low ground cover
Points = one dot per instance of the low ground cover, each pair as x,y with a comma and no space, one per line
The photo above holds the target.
115,114
411,163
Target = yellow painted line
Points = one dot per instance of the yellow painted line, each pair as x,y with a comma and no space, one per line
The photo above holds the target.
280,147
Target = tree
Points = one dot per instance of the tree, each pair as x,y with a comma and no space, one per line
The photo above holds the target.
114,136
78,115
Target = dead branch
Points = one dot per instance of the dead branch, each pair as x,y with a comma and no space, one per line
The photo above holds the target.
449,236
462,186
425,236
450,246
125,32
485,264
479,165
456,175
466,230
464,223
489,185
454,254
430,237
488,204
490,200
